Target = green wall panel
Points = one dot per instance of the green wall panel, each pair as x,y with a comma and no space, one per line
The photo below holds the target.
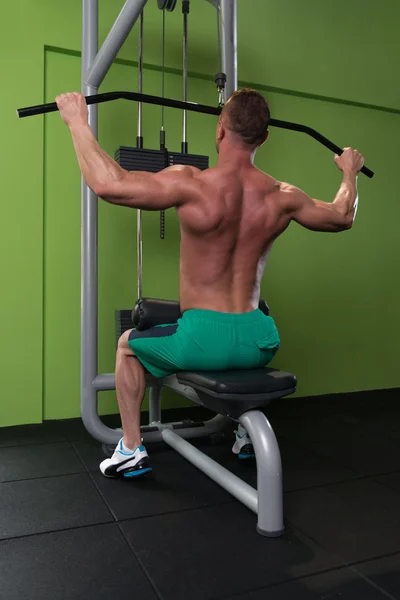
334,296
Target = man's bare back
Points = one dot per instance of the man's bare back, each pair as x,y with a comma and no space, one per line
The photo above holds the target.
226,234
230,223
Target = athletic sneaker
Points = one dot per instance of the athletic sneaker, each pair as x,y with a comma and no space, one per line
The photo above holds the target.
126,463
243,446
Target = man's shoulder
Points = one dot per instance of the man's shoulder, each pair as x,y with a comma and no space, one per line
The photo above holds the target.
186,170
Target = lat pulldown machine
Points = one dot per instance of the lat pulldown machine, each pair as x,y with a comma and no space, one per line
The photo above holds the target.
240,396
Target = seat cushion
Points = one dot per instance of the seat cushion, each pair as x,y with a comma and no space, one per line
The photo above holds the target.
233,393
253,381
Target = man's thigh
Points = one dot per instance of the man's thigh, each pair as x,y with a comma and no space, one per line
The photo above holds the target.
158,349
123,343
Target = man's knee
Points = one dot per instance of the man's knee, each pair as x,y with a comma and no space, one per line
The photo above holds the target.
123,344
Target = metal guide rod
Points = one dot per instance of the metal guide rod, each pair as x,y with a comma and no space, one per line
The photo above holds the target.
162,130
190,106
185,11
139,144
112,44
139,139
139,253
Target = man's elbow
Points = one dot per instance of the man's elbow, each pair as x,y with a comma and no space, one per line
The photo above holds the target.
110,188
105,191
348,223
98,189
345,224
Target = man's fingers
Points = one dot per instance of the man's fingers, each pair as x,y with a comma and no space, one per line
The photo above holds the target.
67,96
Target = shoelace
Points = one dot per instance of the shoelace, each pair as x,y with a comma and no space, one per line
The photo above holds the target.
245,435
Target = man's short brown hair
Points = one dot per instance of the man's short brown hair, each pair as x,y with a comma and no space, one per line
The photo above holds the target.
248,115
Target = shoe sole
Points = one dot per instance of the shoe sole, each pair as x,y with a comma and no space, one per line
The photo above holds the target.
137,473
128,473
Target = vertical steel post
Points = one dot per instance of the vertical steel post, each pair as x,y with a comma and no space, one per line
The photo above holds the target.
139,144
89,277
229,45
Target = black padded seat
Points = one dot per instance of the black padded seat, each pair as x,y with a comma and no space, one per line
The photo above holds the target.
233,393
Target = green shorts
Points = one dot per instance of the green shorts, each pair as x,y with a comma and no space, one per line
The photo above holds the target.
204,340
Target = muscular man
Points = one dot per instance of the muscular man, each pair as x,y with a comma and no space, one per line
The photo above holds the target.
229,217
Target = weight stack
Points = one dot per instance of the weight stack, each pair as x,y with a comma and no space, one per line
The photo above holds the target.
191,160
154,161
141,159
123,322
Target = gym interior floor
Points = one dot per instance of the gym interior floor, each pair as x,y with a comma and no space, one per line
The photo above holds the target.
68,533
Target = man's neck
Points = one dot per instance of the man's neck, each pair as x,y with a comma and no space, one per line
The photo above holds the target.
235,157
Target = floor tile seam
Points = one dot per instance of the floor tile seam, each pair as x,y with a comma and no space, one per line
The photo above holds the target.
373,584
178,511
283,582
101,495
346,563
40,477
38,443
58,530
352,480
140,563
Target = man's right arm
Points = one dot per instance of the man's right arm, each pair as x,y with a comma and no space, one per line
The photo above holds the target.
322,216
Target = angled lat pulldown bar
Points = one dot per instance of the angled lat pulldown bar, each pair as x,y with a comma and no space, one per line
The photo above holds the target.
189,106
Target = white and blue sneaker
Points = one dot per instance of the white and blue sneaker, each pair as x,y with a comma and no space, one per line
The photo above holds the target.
126,463
243,447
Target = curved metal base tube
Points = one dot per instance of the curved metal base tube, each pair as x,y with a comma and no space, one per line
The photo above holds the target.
269,473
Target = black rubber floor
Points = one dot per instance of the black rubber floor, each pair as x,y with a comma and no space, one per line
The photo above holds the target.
67,533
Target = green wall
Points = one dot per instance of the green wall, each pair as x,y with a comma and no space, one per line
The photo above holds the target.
334,297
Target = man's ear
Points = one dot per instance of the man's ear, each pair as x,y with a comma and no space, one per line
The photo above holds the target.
220,130
264,138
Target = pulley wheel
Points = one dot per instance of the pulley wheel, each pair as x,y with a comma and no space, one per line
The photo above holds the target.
168,5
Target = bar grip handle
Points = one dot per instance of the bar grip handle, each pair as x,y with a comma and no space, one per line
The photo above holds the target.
317,136
40,109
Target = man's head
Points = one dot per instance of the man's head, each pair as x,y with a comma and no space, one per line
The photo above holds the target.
244,119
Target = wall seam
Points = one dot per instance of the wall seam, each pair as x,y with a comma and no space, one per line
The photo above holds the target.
44,234
242,83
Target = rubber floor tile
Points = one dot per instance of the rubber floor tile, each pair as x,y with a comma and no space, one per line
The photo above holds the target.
38,460
49,504
365,456
212,552
383,572
91,563
358,519
342,584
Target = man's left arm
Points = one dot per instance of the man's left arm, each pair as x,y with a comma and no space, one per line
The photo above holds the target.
108,180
